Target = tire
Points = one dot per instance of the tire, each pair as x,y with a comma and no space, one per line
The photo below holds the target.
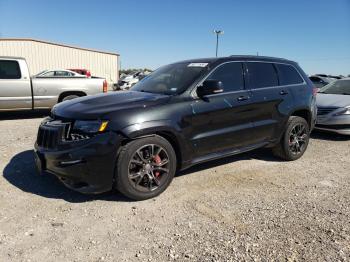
144,177
69,97
294,140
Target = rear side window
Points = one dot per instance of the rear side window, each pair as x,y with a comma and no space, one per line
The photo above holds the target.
231,75
262,75
288,75
9,70
63,73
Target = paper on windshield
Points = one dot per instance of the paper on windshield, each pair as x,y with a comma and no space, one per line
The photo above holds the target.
197,65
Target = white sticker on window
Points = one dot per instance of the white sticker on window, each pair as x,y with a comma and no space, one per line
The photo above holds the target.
197,65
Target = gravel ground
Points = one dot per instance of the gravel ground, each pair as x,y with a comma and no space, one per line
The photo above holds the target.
249,207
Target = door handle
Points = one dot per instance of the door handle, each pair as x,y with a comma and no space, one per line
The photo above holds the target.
283,92
242,98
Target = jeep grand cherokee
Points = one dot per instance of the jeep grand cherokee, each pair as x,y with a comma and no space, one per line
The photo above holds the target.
180,115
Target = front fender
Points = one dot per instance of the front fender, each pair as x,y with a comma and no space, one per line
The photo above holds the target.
166,128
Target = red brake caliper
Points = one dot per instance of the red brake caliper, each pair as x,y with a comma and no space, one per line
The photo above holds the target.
157,160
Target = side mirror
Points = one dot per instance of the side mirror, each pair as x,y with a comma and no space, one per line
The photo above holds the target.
210,87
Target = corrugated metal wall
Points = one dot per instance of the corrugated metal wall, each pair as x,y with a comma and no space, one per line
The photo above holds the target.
41,56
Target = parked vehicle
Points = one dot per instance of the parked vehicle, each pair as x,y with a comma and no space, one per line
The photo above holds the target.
58,73
321,81
180,115
84,72
331,76
19,91
127,81
333,103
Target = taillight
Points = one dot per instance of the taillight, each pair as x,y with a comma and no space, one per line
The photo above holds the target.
88,73
315,90
105,86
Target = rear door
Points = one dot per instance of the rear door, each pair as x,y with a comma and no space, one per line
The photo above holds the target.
272,101
15,89
223,121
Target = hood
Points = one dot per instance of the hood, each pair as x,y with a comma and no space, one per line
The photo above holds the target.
97,106
331,100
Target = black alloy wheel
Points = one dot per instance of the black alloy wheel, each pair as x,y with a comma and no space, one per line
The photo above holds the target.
148,167
297,139
145,167
294,140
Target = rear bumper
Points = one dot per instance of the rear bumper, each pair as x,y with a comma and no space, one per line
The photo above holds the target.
84,166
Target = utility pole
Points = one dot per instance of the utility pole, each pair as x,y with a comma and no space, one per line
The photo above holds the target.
218,32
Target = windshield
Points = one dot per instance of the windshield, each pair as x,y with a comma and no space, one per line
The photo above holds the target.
171,79
42,72
339,87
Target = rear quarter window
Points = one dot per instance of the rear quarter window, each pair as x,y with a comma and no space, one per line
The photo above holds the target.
288,75
9,70
262,75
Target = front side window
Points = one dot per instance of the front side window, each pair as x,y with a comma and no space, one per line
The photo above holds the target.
262,75
9,70
231,76
288,75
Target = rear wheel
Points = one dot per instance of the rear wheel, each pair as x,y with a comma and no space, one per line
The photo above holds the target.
294,140
69,97
145,167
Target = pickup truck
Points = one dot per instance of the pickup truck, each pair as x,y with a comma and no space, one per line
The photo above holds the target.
20,91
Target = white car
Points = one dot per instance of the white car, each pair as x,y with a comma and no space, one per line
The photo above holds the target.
58,73
127,81
333,107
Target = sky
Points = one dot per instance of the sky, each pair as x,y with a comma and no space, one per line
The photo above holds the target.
314,33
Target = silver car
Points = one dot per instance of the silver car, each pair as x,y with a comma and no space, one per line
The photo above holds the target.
333,106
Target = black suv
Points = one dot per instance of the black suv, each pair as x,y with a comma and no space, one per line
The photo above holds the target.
180,115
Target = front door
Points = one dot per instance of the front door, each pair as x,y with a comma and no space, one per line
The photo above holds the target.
223,121
15,90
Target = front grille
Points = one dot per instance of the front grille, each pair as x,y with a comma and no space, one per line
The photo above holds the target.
52,133
325,110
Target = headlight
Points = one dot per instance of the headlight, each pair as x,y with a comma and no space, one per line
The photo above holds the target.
344,111
90,127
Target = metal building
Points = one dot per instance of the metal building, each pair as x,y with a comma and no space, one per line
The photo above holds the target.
42,55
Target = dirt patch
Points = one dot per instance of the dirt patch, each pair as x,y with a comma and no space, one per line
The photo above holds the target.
247,207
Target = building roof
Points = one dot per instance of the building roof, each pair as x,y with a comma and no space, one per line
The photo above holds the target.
57,44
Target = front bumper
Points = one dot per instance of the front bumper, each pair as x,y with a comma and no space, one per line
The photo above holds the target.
85,166
336,124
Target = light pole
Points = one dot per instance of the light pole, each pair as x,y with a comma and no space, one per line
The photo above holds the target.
218,32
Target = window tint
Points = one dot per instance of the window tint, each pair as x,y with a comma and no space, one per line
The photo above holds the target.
230,75
9,70
262,75
288,75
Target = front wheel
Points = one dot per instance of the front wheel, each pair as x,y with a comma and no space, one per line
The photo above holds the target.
295,139
145,167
